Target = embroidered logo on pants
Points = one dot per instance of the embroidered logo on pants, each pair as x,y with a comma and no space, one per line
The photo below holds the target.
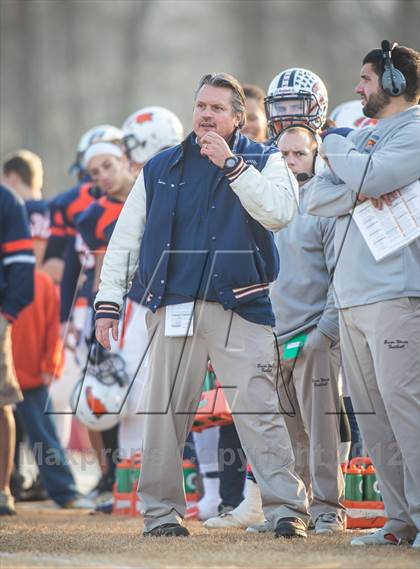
396,344
320,381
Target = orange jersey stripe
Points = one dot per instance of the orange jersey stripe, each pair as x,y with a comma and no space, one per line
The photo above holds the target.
82,202
58,231
18,245
110,214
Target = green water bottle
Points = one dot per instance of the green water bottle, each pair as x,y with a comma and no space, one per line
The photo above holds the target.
370,485
190,480
354,484
134,474
123,477
210,379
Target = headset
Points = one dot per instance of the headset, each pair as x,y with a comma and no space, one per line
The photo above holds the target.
393,81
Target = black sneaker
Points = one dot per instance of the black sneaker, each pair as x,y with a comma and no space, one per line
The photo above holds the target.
290,527
105,507
16,485
104,486
35,493
167,530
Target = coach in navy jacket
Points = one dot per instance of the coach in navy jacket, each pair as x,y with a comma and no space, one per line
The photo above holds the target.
199,224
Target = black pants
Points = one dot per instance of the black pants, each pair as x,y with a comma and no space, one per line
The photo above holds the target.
232,467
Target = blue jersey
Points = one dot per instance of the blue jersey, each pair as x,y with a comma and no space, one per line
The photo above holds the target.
64,243
16,256
96,225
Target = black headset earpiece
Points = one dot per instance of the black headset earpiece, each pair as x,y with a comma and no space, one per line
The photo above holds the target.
393,81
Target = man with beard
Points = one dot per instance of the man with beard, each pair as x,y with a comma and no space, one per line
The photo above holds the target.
379,301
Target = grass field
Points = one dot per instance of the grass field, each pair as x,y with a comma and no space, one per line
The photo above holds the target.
41,536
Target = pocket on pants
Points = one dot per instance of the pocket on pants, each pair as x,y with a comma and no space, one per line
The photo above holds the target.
414,303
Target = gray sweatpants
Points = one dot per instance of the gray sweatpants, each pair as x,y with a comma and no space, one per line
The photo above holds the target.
243,356
315,429
381,357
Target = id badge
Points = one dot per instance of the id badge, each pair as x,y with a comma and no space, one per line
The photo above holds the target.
179,320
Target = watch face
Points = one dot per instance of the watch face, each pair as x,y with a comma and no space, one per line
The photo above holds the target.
230,162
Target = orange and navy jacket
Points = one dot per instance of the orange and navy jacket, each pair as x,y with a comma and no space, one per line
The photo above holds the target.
95,227
36,341
16,256
74,202
97,223
65,211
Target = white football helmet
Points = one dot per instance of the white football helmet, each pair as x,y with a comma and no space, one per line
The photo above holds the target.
296,96
350,114
150,130
98,398
100,133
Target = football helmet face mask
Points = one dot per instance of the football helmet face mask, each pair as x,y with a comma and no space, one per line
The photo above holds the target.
150,130
98,398
100,133
296,97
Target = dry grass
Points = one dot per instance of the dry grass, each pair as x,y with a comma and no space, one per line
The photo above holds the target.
45,537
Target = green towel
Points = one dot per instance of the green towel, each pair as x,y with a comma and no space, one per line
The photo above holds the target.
292,347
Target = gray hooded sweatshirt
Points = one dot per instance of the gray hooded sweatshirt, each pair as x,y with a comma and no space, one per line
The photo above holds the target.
302,295
395,162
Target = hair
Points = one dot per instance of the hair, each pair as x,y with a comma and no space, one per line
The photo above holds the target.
28,166
255,92
299,129
228,82
405,59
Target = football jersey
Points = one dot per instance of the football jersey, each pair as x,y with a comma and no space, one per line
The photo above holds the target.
96,226
97,223
65,211
16,256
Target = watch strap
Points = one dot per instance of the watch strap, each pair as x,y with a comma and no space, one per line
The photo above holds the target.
233,173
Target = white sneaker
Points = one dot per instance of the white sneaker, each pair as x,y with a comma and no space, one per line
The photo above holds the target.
328,523
379,537
7,504
265,527
248,513
416,542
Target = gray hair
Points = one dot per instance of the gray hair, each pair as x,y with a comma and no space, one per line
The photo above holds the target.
229,82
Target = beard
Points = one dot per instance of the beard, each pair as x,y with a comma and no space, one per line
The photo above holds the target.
375,104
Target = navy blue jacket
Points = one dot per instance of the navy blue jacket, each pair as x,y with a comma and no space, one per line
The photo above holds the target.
16,256
247,258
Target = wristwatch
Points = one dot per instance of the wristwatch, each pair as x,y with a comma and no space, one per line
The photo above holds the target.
231,163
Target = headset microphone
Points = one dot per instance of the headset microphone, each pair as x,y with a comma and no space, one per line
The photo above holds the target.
393,81
303,176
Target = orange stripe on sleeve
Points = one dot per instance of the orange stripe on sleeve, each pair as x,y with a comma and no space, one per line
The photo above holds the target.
18,245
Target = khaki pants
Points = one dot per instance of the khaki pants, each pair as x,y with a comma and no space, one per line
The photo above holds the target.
9,388
381,357
243,356
315,430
